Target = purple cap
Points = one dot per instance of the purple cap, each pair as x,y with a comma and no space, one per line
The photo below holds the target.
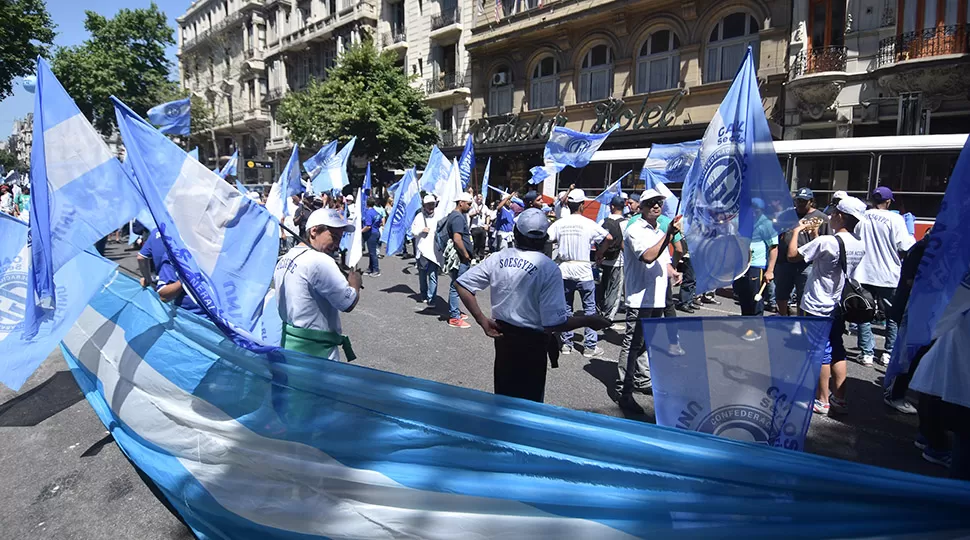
882,194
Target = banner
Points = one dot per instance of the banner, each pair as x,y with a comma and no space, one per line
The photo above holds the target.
466,164
568,148
173,118
671,162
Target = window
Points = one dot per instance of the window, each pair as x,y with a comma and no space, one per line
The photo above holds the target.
727,44
500,92
545,84
596,77
658,66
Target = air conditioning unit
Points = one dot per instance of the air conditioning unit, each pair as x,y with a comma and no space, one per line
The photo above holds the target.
501,78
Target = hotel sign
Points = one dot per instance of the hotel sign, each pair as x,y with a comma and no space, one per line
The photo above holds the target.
513,128
613,111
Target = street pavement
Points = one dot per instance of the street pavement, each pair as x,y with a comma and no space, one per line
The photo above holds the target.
65,478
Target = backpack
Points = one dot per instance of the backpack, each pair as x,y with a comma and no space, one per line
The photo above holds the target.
441,236
612,226
858,305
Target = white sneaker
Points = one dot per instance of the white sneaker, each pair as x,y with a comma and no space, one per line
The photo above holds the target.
619,327
900,405
884,359
676,350
796,329
867,360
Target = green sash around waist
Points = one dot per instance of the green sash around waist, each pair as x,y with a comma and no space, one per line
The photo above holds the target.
315,342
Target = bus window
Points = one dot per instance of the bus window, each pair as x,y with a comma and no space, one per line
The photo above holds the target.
591,178
921,205
851,172
919,173
813,172
619,168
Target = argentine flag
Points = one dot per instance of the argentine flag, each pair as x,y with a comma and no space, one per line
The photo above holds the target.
223,245
172,118
447,191
613,190
330,170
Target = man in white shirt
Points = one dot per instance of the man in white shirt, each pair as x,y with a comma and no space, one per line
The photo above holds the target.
313,291
823,291
646,267
429,262
476,224
885,236
528,306
576,234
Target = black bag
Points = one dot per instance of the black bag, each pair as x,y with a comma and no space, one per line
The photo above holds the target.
441,236
858,305
612,226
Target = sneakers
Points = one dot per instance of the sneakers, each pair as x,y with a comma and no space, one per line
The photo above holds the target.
463,317
937,457
710,300
921,442
796,329
595,352
820,408
837,406
628,404
676,350
686,308
618,327
566,349
751,335
866,360
884,359
645,388
900,405
458,323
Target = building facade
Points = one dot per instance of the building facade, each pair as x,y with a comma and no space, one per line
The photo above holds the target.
21,139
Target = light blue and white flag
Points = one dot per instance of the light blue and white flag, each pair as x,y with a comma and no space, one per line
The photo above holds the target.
230,168
568,148
613,190
278,203
466,164
242,189
223,245
435,171
392,189
755,390
172,118
941,290
144,215
652,180
330,172
356,248
324,155
447,191
194,153
485,177
77,281
406,206
736,163
79,190
286,446
671,162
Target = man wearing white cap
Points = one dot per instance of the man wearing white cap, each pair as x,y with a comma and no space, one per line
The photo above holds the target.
576,234
313,291
457,260
422,229
528,306
834,259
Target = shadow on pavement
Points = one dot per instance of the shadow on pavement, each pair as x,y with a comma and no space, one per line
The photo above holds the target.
605,372
41,402
96,448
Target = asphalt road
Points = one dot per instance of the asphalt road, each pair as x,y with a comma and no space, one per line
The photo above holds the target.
64,478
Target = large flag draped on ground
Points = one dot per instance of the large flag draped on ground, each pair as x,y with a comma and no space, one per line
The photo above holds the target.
736,163
671,162
435,171
223,245
466,164
244,446
278,203
758,391
172,118
652,180
79,190
941,290
329,171
77,281
230,168
568,148
613,190
406,205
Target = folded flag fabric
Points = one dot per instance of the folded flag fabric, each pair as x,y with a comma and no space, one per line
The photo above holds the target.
466,164
329,171
284,445
172,118
407,204
230,168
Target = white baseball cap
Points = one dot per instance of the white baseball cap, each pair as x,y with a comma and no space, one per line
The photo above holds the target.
576,195
349,197
853,207
651,194
328,217
429,198
463,197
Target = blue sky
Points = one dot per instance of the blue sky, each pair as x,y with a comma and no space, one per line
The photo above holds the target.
68,15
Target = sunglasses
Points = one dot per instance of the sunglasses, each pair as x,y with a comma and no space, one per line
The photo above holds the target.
654,202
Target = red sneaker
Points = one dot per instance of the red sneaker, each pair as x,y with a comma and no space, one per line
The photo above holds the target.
458,323
464,317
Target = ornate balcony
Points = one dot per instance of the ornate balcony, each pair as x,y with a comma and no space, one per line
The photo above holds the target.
925,43
448,17
395,39
819,60
444,83
275,94
447,138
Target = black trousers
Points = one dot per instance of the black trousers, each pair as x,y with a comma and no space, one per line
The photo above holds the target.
686,294
478,238
520,362
747,286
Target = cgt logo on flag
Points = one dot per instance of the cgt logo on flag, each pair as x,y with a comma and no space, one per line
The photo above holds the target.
173,111
765,423
721,186
13,295
578,146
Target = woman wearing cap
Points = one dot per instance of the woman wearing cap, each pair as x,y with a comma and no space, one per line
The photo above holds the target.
313,291
528,306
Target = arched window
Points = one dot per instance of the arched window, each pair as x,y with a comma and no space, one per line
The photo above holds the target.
596,76
658,65
545,84
726,46
500,92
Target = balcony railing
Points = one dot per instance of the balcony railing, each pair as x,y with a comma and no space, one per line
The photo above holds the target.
819,60
396,35
216,28
936,41
274,95
447,18
443,83
448,138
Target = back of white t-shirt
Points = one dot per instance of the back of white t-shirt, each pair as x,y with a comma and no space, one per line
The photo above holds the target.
576,235
884,235
824,287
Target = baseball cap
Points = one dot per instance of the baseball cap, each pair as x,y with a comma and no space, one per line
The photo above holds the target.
881,194
464,196
328,217
530,198
349,197
624,195
253,196
758,203
839,195
429,198
651,194
532,223
635,197
576,195
853,207
805,194
617,202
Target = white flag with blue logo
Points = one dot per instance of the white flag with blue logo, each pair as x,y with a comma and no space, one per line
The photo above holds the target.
356,249
223,245
230,167
329,171
568,148
447,191
172,118
466,164
407,204
736,163
323,155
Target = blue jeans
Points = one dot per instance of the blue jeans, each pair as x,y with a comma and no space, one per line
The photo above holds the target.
587,293
427,279
882,296
453,309
371,238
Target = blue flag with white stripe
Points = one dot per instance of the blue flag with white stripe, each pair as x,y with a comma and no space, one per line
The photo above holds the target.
223,245
406,206
329,170
671,162
652,180
604,198
230,168
247,445
488,172
278,203
568,148
77,281
744,378
172,118
325,154
79,190
736,163
466,164
435,171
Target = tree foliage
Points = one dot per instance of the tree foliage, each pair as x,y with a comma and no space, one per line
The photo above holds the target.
124,57
9,161
367,96
26,32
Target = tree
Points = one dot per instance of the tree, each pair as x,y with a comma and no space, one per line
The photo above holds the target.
9,161
26,32
367,96
124,57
